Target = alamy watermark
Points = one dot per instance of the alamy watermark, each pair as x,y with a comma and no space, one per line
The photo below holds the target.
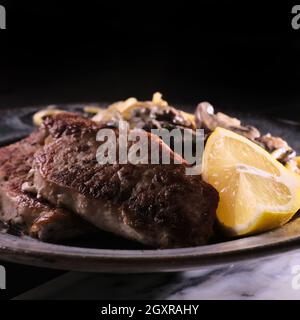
296,18
2,17
2,278
159,146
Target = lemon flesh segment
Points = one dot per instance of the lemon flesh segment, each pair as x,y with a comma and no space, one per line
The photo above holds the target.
257,193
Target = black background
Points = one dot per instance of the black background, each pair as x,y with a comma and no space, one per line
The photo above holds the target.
234,54
242,55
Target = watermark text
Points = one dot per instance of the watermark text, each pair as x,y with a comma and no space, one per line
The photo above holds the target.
2,17
159,146
2,278
296,17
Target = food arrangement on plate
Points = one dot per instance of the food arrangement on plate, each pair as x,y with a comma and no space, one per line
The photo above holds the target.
52,187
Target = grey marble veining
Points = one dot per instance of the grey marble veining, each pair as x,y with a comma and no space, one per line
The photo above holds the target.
264,278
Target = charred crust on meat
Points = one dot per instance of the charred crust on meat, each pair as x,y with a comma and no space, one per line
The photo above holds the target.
161,204
67,123
159,201
21,209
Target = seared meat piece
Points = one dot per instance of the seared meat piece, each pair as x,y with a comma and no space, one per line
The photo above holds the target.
23,210
157,205
207,119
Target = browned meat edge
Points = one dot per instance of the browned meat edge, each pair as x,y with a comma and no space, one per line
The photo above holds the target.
23,210
154,204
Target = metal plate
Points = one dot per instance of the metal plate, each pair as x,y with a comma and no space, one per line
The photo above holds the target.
106,253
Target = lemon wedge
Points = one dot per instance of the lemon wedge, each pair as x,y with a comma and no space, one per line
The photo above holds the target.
257,193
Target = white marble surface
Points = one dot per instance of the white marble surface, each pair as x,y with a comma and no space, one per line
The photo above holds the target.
273,277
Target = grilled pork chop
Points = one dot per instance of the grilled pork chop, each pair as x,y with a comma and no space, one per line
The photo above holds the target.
157,205
23,210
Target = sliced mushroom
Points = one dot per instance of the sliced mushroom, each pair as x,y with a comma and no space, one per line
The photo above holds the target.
205,117
209,121
157,118
278,148
272,143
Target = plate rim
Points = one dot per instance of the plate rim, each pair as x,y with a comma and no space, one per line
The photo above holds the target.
34,252
56,256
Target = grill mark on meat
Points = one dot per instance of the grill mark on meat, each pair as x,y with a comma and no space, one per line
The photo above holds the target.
155,204
23,210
